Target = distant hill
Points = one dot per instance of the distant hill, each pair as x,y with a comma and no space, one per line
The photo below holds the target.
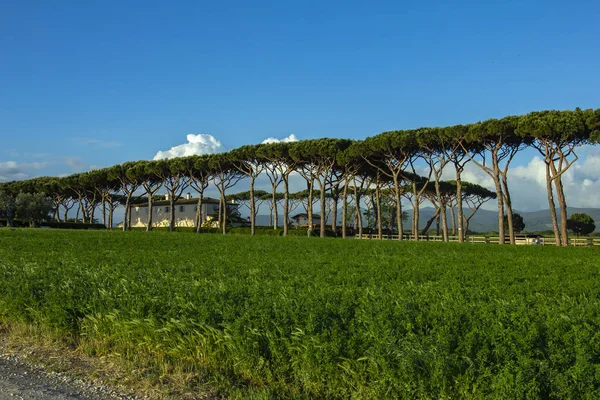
487,221
484,220
540,220
264,220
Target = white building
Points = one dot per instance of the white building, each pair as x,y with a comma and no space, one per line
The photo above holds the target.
185,212
302,220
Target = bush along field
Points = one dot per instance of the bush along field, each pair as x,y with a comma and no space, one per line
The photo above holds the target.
295,317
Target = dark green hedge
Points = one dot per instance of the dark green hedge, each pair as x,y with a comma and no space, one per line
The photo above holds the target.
242,230
189,229
17,223
71,225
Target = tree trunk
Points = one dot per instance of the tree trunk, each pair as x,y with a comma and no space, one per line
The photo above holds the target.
453,219
275,216
199,220
379,216
309,207
415,220
563,211
252,207
128,219
84,214
358,213
104,211
459,208
562,204
552,206
334,214
430,221
509,211
344,210
286,205
398,207
442,210
444,220
322,209
172,212
127,212
149,225
500,198
392,216
79,210
224,215
274,205
220,216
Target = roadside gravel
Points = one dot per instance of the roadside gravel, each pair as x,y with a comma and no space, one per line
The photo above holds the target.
20,379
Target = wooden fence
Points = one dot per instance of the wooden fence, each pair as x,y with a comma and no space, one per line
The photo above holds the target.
544,241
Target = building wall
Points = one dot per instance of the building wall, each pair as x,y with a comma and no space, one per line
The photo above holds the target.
185,214
301,221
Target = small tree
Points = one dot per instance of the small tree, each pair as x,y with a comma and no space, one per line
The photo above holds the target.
581,224
33,207
7,204
517,222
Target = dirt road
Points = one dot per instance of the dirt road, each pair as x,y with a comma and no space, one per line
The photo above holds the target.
20,380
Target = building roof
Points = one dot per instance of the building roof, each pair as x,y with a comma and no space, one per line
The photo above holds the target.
306,215
179,202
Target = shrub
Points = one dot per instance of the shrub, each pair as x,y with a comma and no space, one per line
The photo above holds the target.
71,225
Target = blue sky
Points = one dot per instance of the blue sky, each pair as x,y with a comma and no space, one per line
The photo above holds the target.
88,84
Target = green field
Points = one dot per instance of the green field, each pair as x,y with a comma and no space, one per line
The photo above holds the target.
298,317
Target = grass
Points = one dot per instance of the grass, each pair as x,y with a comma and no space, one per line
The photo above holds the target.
298,317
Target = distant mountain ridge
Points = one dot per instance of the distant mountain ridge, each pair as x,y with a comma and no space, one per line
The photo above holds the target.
487,221
484,220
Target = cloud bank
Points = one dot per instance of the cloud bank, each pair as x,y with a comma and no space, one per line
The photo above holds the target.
13,170
291,138
581,182
196,145
527,183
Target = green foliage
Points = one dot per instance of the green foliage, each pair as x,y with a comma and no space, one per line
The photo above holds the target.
581,224
188,229
517,220
238,230
260,230
71,225
561,127
304,318
7,204
33,207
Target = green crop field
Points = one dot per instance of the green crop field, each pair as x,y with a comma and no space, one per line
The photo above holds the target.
298,317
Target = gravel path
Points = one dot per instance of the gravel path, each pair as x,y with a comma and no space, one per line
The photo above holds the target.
21,380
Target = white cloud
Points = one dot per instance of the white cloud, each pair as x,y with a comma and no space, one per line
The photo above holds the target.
291,138
581,182
527,183
197,145
74,162
13,170
50,166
